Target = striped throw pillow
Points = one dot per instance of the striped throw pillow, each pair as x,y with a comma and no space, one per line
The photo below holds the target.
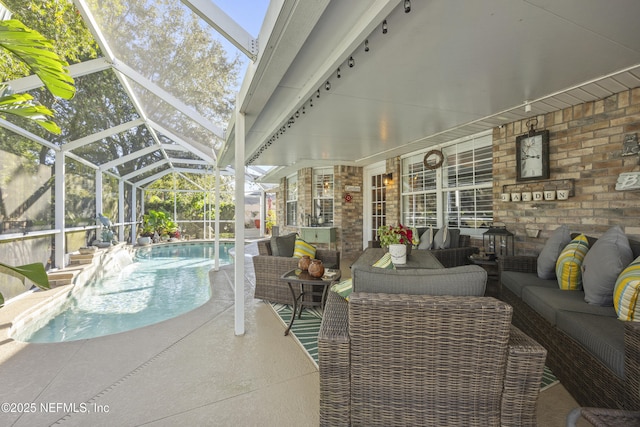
303,248
569,264
343,288
627,292
384,262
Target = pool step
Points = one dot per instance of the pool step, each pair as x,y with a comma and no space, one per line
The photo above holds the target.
61,278
80,259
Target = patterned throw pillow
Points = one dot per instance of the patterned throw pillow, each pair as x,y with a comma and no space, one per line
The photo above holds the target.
569,264
627,292
343,288
303,248
384,262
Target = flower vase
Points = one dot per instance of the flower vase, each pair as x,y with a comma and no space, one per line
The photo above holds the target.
304,262
398,253
316,269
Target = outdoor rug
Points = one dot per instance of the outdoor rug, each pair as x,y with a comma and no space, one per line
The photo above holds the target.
305,330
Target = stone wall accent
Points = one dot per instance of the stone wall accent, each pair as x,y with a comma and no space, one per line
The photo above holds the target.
585,144
348,215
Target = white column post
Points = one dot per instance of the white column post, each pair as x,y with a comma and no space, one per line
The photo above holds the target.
98,193
217,220
121,210
59,209
239,223
134,212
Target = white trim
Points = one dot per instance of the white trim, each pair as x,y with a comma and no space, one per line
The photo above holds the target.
367,173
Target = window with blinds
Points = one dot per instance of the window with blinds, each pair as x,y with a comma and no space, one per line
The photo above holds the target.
458,194
323,196
292,200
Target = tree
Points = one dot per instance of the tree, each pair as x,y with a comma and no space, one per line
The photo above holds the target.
29,49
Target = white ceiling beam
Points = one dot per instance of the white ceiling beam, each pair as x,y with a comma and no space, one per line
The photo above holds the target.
25,133
189,161
173,147
80,142
225,25
190,147
167,97
154,177
129,157
145,169
31,82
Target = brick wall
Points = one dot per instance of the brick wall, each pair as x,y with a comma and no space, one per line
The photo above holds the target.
585,144
347,215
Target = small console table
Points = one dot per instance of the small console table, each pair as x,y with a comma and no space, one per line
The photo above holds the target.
319,235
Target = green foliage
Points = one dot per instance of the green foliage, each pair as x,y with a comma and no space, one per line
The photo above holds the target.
34,272
39,56
157,222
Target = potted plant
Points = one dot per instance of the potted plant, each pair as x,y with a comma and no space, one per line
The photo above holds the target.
399,239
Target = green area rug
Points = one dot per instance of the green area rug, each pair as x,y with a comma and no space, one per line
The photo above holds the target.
306,330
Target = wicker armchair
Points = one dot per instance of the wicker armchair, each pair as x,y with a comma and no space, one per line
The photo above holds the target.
269,268
425,360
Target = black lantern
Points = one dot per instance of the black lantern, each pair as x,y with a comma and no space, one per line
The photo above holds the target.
497,240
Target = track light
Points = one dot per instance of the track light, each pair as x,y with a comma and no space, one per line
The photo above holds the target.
385,27
318,94
327,85
338,73
407,6
297,114
351,62
366,45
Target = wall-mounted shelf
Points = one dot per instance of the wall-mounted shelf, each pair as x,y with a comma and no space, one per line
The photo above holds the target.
549,184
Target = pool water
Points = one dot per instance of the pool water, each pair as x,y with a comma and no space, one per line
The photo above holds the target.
162,282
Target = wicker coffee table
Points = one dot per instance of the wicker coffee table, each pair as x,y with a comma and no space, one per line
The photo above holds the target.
306,284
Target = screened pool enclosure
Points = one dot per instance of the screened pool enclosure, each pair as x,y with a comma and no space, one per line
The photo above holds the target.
155,87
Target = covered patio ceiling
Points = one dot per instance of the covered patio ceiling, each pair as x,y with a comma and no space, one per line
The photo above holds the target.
445,70
326,85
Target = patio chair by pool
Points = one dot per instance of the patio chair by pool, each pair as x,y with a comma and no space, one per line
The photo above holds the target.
425,360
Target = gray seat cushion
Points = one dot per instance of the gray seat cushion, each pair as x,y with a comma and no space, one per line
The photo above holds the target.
549,301
468,280
602,336
515,281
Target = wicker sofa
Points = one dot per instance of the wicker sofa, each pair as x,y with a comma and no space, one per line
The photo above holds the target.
594,355
457,254
269,268
388,358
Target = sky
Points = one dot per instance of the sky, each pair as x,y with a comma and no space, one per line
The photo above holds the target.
249,14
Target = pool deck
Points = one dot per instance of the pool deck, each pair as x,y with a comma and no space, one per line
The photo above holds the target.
191,370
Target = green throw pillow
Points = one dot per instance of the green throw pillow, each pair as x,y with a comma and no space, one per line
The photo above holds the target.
343,288
303,248
384,262
569,264
627,293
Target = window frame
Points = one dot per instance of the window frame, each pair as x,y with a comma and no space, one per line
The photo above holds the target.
291,201
435,185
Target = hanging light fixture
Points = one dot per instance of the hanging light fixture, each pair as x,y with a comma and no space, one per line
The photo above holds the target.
385,27
351,62
407,6
338,75
366,45
327,85
318,93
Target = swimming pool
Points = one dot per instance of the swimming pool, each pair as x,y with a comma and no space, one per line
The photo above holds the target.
160,282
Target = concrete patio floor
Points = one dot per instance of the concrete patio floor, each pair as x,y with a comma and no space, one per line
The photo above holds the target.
191,370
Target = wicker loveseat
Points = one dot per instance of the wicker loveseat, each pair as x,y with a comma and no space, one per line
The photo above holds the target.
594,355
457,254
269,268
437,354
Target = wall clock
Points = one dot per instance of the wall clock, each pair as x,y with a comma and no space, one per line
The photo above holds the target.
433,159
532,156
